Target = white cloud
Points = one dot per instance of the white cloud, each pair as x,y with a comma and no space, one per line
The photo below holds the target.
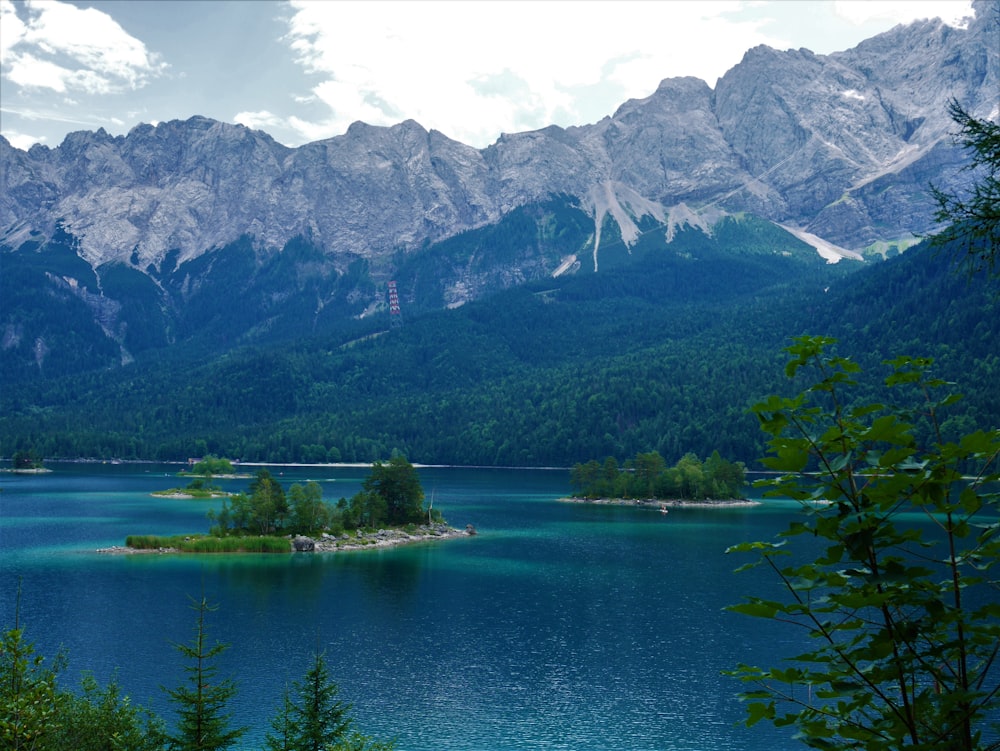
12,29
473,70
259,120
60,47
20,140
857,12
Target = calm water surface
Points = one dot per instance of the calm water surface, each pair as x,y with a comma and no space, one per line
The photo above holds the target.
560,626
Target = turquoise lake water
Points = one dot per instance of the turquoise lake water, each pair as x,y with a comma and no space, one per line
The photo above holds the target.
560,626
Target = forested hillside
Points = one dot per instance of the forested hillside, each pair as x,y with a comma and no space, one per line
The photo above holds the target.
663,353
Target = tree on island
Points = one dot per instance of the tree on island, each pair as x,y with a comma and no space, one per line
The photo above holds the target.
308,512
901,598
393,489
647,476
262,512
212,465
390,496
29,459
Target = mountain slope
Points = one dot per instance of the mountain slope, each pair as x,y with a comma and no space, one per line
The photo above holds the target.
172,219
664,352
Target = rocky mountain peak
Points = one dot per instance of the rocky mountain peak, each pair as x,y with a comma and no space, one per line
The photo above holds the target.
839,145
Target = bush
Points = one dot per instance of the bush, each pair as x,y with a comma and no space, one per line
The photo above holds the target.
201,544
901,598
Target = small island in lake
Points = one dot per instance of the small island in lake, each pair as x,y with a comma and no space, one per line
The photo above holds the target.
646,480
197,488
388,511
664,504
28,462
203,471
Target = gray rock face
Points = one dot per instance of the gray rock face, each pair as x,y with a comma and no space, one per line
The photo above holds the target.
842,146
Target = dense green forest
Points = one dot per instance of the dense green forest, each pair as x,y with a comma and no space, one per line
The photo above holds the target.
663,352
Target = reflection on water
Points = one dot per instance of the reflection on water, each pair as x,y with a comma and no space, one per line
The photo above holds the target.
561,626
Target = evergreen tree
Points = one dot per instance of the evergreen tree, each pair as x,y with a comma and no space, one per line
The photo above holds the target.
203,723
315,719
283,725
398,484
973,217
358,742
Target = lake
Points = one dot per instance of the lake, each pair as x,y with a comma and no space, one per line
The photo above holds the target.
559,626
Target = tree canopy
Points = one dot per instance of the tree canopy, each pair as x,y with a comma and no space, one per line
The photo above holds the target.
899,597
648,476
395,487
973,215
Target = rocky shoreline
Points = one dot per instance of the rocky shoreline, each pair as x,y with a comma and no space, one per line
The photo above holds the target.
327,543
663,504
383,538
181,495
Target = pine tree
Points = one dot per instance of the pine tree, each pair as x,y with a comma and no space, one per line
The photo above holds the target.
973,216
315,719
203,723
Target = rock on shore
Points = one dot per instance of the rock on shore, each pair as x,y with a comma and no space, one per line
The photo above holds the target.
382,538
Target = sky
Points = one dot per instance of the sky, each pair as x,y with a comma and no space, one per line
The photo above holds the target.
304,70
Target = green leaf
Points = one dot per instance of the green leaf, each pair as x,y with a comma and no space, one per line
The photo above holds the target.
756,608
758,711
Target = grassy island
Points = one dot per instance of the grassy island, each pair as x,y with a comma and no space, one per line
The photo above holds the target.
207,544
389,510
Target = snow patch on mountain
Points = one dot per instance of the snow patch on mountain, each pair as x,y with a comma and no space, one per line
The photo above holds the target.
832,253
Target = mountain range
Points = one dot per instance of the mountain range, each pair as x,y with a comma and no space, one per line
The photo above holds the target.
199,236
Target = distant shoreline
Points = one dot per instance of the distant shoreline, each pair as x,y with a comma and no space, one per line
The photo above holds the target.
664,503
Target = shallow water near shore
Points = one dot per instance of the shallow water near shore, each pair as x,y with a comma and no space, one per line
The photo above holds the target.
559,626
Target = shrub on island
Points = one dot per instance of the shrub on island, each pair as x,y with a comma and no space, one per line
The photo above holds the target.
208,544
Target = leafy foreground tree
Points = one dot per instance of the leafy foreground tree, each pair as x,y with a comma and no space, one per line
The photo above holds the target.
312,717
36,715
203,724
901,599
103,719
29,716
973,217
